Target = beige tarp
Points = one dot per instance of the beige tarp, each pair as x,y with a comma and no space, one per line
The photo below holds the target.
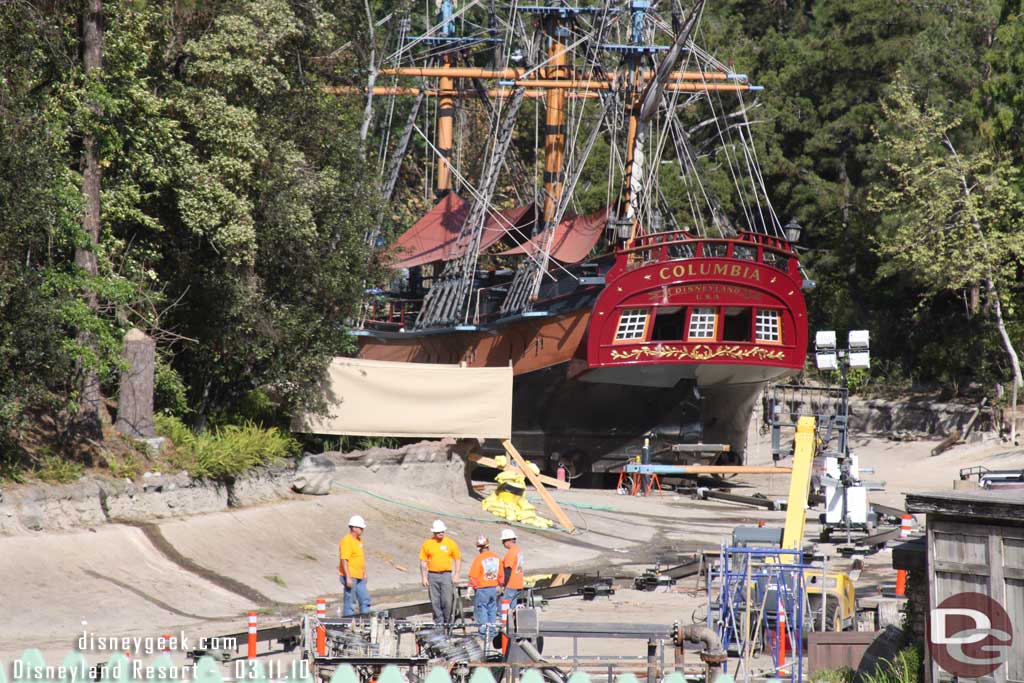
382,398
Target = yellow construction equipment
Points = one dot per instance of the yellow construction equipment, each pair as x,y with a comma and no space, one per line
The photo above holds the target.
835,588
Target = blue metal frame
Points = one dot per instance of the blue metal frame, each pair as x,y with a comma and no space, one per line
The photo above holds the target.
771,569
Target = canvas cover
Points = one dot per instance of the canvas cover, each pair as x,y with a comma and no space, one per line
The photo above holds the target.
383,398
574,237
432,237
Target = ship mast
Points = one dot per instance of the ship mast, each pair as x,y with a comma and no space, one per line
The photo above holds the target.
554,130
644,107
445,107
633,171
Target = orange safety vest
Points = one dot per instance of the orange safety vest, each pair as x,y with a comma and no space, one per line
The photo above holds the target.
513,560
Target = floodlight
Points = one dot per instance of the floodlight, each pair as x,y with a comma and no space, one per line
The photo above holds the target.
827,360
858,340
860,359
825,340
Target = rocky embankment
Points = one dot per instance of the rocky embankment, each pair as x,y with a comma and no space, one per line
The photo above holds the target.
915,418
93,501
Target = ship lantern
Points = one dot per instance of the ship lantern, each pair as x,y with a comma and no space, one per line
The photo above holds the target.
793,230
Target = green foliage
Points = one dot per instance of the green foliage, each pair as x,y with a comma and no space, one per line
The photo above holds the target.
905,667
952,218
232,217
126,466
225,452
173,428
843,674
58,470
170,395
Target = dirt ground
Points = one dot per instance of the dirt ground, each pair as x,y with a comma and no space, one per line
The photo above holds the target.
201,574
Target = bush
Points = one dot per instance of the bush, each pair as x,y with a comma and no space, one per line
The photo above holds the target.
227,451
53,468
174,429
905,667
843,674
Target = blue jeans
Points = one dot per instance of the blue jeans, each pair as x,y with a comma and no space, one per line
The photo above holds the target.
485,609
512,595
359,592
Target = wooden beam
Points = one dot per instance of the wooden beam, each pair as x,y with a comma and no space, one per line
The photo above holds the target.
491,462
537,484
732,469
520,74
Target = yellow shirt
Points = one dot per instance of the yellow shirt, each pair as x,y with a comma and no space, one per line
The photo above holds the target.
439,556
351,549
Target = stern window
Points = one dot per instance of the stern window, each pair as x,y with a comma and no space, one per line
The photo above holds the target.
768,328
669,323
702,323
632,324
736,324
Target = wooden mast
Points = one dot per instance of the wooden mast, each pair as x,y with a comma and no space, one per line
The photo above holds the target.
554,129
630,172
445,116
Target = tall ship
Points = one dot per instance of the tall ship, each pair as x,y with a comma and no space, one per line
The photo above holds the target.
599,222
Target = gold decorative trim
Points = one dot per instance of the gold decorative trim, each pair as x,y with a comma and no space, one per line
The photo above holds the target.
700,352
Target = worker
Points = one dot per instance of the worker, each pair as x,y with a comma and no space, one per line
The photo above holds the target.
440,561
511,571
483,579
352,568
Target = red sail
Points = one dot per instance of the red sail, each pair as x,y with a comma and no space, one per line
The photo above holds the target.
433,237
574,238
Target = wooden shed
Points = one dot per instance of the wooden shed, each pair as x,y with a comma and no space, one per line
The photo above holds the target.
975,544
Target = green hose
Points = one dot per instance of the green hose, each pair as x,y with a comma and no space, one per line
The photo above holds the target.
486,520
582,506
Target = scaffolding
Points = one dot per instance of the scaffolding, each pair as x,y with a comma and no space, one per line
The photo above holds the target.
756,596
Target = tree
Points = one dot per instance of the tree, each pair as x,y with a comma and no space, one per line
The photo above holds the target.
91,397
952,219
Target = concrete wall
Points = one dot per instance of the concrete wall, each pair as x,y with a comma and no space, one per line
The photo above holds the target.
91,502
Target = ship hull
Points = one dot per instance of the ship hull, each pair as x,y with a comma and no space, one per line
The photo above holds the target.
674,347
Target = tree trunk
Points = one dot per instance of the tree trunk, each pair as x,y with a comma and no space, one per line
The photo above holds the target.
135,399
1018,381
91,401
364,130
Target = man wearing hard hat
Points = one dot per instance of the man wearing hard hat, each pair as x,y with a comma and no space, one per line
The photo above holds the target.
440,561
352,568
510,575
483,579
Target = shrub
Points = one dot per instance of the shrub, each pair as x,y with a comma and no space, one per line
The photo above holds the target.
905,667
174,429
843,674
227,451
53,468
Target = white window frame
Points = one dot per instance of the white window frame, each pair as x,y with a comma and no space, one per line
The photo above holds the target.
633,324
765,331
699,319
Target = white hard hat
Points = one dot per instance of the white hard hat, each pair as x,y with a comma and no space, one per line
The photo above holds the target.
482,541
356,520
438,527
508,535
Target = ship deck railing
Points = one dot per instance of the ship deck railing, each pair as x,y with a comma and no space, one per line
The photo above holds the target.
681,244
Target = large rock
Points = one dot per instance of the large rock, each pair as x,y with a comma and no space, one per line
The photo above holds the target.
314,475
